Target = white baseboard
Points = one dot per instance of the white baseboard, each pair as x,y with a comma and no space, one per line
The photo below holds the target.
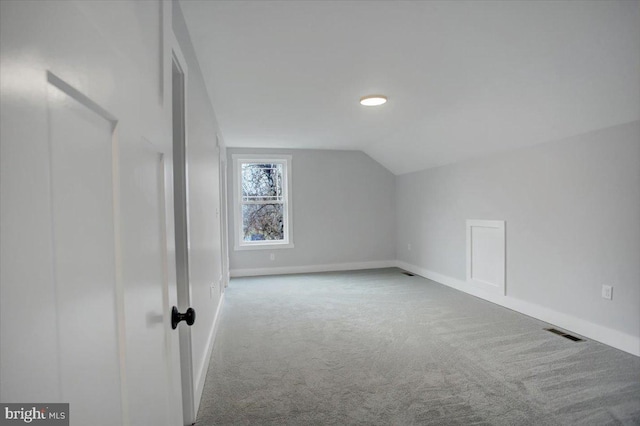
282,270
608,336
202,371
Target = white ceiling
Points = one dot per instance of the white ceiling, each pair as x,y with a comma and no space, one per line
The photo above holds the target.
463,79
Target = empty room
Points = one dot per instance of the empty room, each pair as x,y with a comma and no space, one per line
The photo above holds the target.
319,212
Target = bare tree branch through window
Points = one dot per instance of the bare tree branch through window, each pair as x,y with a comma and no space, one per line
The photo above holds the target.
262,202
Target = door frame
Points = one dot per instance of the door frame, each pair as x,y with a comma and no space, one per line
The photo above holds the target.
224,221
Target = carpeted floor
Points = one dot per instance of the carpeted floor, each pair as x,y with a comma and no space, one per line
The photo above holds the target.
377,347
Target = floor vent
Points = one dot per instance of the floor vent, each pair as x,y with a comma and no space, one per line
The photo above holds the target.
409,274
565,335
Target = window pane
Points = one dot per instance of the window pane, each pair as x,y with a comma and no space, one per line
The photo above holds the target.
261,182
262,222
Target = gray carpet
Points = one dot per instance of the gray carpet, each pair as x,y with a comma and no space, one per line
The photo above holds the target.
380,348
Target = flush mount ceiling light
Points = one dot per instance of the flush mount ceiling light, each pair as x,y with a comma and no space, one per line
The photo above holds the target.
373,100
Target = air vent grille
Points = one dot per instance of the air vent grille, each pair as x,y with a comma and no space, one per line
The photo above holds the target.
565,335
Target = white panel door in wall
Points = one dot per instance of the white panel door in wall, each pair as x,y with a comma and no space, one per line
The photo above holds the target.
86,287
486,254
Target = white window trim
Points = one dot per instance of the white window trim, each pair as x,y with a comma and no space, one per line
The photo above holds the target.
239,243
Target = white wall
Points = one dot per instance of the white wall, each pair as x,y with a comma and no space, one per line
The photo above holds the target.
572,211
205,258
343,213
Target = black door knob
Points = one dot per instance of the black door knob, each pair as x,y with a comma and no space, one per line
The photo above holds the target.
176,317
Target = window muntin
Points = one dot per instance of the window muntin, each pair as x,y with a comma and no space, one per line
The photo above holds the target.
262,202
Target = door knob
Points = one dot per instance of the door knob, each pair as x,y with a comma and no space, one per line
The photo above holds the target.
189,316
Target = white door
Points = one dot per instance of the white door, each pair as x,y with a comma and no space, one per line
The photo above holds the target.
224,223
87,280
152,358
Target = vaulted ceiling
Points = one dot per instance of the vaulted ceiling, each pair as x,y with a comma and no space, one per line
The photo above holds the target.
463,78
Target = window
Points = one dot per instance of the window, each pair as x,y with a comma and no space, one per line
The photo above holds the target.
262,205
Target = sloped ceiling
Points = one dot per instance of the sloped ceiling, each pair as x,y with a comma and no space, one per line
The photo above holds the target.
463,79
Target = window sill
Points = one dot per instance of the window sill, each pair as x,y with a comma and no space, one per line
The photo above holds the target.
267,246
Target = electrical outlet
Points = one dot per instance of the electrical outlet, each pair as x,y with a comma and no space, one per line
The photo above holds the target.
607,292
409,246
272,256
